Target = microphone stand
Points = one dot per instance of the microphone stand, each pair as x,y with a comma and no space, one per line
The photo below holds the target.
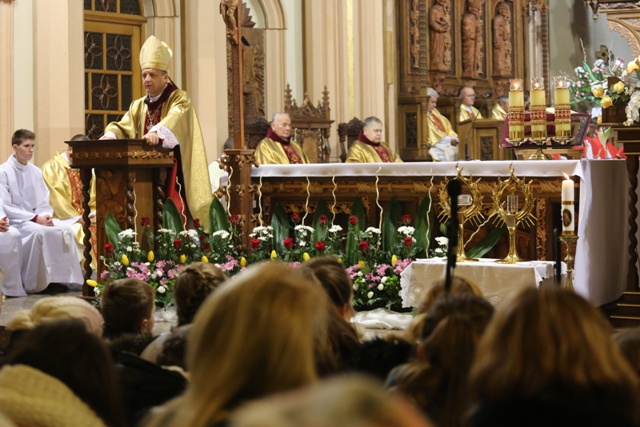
454,188
473,122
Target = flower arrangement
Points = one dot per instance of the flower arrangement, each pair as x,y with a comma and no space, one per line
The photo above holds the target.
608,85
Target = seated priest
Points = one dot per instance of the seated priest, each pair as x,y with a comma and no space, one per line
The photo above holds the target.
369,147
501,109
277,148
441,137
66,196
49,253
467,110
166,117
10,258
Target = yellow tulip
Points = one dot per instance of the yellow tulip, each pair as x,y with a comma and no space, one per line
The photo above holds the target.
306,257
92,283
204,258
340,260
599,119
606,101
361,264
125,260
274,255
632,66
243,262
618,87
150,256
183,259
394,259
597,91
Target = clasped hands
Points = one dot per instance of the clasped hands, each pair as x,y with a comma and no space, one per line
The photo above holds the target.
4,224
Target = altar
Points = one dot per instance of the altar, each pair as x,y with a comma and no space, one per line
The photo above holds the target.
600,259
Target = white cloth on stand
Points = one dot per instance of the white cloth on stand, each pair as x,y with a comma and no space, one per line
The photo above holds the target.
49,253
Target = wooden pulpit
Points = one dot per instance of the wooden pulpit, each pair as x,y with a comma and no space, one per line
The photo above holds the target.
482,137
130,184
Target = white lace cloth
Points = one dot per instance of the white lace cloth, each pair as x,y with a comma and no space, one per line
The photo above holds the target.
497,281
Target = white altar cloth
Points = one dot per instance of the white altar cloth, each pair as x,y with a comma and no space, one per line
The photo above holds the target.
601,256
496,281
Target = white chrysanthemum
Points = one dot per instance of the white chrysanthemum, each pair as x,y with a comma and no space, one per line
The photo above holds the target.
406,230
384,279
191,233
161,289
127,233
259,229
165,231
442,241
372,230
633,115
302,243
355,287
359,274
129,249
370,295
96,291
380,287
223,234
263,238
335,229
304,228
579,70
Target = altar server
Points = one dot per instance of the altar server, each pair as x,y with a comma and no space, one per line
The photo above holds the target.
369,147
10,257
49,255
277,148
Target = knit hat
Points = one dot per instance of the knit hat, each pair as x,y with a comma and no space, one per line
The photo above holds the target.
155,54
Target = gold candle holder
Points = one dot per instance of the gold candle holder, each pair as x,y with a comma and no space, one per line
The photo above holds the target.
512,216
470,209
570,240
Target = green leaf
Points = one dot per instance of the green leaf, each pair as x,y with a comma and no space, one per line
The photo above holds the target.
351,246
424,223
171,218
320,230
390,225
357,209
281,229
218,219
112,228
486,244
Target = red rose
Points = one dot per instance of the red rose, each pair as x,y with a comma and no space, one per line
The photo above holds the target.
255,243
353,220
233,219
364,246
145,221
323,219
320,246
204,236
177,243
109,248
406,219
196,222
408,241
288,243
295,217
206,247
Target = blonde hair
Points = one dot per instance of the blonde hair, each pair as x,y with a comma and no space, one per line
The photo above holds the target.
56,308
252,337
552,342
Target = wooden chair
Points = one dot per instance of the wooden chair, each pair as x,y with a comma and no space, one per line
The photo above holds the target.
347,133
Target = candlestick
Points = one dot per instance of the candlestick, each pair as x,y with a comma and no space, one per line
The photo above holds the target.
562,100
538,113
516,112
568,194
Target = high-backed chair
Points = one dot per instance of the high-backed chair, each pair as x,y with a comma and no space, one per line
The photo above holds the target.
347,133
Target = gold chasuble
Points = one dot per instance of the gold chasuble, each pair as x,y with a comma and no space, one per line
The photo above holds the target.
498,113
439,127
65,188
361,152
466,115
271,152
177,115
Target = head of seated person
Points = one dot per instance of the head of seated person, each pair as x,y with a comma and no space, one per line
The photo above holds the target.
128,306
194,283
281,126
467,96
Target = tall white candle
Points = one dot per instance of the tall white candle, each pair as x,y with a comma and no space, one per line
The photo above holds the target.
568,212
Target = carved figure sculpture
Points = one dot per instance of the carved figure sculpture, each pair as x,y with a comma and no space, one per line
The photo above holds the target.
228,12
439,30
502,48
414,32
472,52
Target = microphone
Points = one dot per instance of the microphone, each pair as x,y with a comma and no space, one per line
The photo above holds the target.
473,122
454,188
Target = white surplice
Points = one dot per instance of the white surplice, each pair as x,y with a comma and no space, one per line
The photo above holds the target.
11,260
49,253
